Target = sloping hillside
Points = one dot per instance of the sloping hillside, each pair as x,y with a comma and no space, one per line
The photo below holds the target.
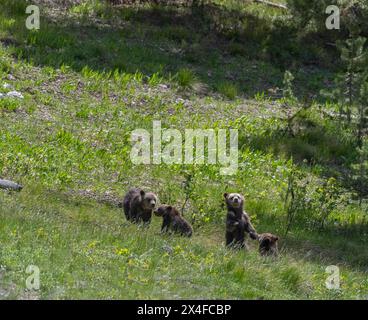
90,76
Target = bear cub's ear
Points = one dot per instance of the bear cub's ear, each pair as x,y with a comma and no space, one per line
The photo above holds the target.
225,195
142,193
169,208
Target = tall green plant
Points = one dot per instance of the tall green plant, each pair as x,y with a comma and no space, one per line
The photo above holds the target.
291,102
294,198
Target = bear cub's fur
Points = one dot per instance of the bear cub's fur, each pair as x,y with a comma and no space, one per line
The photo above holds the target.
268,244
172,220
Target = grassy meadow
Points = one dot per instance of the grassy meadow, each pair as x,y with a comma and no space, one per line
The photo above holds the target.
94,73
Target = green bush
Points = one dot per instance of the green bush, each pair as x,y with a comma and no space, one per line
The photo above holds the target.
228,90
186,77
8,104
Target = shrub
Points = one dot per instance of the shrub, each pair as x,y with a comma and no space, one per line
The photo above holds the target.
8,104
228,90
186,77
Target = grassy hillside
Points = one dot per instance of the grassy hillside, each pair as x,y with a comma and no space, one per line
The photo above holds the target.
89,77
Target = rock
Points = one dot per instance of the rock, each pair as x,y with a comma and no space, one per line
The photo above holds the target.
167,249
1,95
163,86
7,86
10,185
15,94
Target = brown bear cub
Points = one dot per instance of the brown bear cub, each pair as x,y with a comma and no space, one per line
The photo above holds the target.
138,205
237,221
173,220
268,244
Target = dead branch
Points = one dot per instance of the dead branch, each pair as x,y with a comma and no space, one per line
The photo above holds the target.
272,4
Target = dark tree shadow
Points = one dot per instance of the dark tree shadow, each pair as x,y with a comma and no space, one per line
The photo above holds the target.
342,246
220,45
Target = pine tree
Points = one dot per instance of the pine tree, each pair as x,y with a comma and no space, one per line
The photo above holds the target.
361,172
354,58
352,95
349,84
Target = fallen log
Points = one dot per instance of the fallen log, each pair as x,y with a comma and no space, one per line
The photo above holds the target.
272,4
10,185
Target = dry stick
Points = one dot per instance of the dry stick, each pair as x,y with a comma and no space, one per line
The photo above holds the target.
10,185
184,204
272,4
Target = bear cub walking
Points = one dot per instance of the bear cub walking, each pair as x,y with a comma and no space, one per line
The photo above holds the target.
173,220
237,221
138,205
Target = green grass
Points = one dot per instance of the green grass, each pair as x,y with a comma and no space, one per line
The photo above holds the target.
68,142
85,250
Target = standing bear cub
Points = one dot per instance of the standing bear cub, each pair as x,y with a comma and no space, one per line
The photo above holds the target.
138,205
173,220
237,221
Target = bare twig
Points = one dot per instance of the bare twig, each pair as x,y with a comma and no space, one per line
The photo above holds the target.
272,4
